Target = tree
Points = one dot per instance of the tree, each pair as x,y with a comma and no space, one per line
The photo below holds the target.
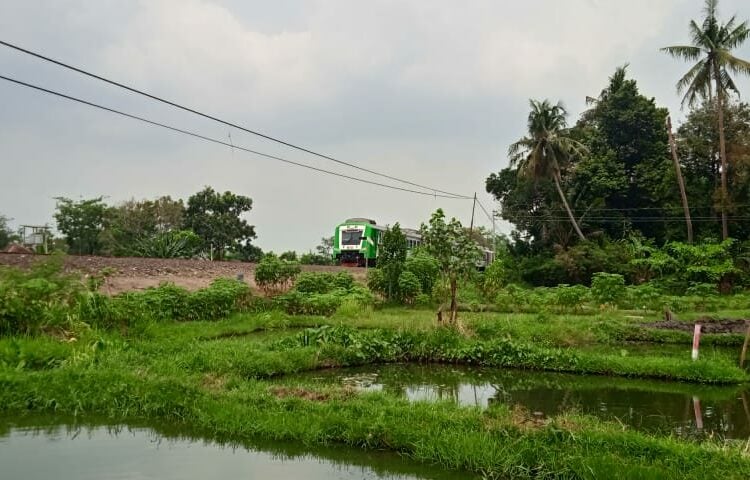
6,234
712,47
326,247
697,138
626,182
216,218
543,153
454,251
81,222
391,258
680,181
133,222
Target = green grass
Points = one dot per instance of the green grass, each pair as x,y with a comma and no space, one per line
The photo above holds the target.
218,378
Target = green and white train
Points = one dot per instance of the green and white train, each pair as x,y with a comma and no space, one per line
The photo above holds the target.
356,243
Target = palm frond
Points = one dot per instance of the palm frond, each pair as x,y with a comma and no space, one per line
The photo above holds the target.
702,67
685,52
736,65
736,36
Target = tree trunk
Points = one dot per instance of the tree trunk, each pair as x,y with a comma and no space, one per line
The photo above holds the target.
567,207
680,182
454,304
722,155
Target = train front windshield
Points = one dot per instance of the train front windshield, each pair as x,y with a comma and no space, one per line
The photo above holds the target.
351,237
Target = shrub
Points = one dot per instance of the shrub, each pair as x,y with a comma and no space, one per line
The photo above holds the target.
38,298
314,282
290,256
298,303
425,268
494,278
376,281
644,296
409,286
567,296
274,275
175,244
607,288
311,258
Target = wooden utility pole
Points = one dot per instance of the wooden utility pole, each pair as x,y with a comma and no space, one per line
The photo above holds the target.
473,207
680,181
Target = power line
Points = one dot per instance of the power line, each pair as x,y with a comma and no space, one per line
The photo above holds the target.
230,124
214,140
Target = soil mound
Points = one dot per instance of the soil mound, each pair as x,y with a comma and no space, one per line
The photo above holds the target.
709,325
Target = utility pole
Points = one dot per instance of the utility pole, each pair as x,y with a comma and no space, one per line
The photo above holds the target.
473,207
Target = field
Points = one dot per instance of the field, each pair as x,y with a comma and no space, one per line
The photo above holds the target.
232,364
136,273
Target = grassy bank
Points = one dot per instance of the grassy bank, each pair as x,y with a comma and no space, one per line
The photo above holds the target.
496,443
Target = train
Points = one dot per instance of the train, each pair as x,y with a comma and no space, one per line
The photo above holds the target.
356,242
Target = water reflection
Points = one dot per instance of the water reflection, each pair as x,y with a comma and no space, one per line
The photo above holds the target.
685,410
40,448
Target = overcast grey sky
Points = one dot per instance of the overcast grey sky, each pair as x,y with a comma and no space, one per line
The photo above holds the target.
428,90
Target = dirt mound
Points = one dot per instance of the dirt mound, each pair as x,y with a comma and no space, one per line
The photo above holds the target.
135,273
18,249
708,325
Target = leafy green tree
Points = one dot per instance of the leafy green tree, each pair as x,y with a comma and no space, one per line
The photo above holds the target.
133,222
326,247
217,219
697,138
82,223
712,45
547,149
391,258
289,256
627,180
454,251
6,234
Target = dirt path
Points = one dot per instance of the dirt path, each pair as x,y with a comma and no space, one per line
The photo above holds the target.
134,273
708,325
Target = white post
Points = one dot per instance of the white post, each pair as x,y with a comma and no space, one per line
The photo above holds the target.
696,340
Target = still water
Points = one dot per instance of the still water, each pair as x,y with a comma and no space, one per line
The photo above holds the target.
681,409
62,452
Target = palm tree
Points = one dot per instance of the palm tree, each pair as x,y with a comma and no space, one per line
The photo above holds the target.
543,153
712,48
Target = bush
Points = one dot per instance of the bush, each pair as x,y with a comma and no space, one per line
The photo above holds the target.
425,268
376,281
644,296
574,297
167,302
311,258
290,256
494,278
37,299
314,282
274,275
298,303
409,286
176,244
607,288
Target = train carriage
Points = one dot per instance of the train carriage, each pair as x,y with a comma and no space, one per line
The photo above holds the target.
356,243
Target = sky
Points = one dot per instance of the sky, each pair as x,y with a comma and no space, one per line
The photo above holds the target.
428,91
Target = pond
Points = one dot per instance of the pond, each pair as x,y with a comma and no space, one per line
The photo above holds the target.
37,448
682,409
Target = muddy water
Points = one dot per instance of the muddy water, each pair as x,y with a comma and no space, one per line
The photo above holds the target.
62,452
681,409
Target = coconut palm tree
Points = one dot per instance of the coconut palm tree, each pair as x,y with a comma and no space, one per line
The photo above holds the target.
546,149
712,46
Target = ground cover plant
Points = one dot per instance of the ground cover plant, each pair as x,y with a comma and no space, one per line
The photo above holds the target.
209,359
